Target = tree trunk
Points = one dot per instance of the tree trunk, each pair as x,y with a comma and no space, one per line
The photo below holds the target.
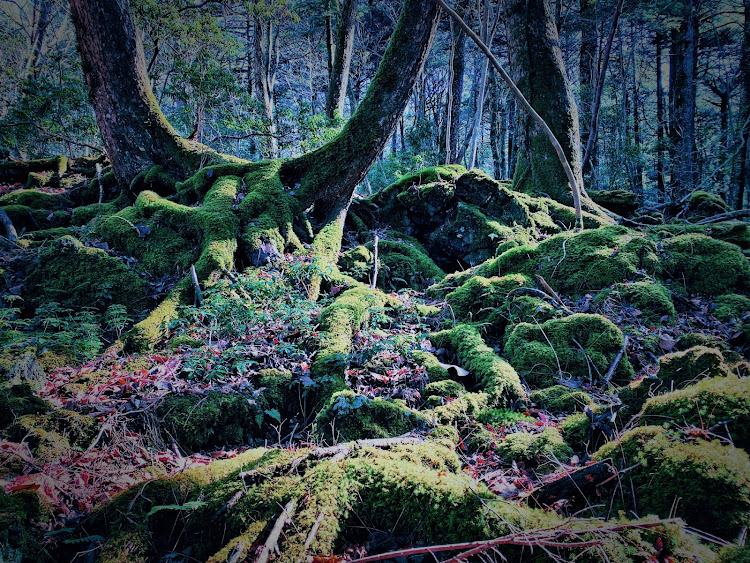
536,58
455,86
37,37
660,184
743,156
342,60
588,71
685,45
329,175
135,132
265,61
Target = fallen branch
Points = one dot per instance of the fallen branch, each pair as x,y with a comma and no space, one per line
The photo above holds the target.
575,188
10,230
616,361
313,531
545,537
581,482
374,281
271,545
552,293
724,217
198,292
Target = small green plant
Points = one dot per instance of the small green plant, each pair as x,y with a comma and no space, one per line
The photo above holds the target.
116,319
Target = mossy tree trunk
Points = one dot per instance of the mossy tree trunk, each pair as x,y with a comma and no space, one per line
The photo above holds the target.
135,132
328,176
539,71
342,59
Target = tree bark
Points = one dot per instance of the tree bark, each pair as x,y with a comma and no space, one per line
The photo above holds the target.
265,61
455,87
743,167
135,132
588,71
328,176
536,59
661,189
685,45
342,60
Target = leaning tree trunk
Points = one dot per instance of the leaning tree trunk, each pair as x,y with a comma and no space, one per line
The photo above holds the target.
328,176
135,132
741,174
339,76
536,60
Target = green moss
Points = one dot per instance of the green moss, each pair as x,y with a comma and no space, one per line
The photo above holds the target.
18,171
349,416
559,398
85,213
443,389
74,275
435,371
20,538
29,219
576,429
339,322
201,422
36,199
543,353
705,204
731,306
634,394
680,368
53,433
578,262
496,376
705,265
545,448
705,404
19,400
463,409
734,232
622,202
711,480
478,298
652,299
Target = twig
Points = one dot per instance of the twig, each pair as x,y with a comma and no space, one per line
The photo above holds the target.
313,531
236,554
198,292
374,281
271,545
101,181
525,103
551,292
616,361
232,278
54,135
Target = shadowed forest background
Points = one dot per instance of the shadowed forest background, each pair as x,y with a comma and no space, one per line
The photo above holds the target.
320,281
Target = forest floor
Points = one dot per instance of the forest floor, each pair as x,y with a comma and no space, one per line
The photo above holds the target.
562,394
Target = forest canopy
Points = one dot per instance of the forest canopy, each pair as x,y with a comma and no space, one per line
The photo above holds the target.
348,280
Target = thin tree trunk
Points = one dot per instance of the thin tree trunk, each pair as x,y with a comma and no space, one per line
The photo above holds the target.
342,60
660,184
588,71
743,175
264,71
638,178
455,87
329,175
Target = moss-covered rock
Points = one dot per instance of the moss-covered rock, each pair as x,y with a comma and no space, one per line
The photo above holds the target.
705,265
36,199
576,429
559,398
20,537
705,204
681,368
349,416
479,297
434,393
460,410
651,299
544,448
435,370
212,421
705,404
28,219
495,376
50,435
78,276
731,307
710,480
18,171
578,262
622,202
580,346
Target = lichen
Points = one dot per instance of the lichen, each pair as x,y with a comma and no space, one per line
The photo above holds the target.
581,347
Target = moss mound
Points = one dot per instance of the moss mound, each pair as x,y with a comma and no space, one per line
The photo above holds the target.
652,299
705,265
705,405
202,422
78,276
544,448
559,398
580,346
705,204
349,416
36,199
691,365
479,297
622,202
711,480
731,307
19,400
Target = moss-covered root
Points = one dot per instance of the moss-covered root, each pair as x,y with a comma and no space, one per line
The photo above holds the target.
219,229
705,483
496,376
339,322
